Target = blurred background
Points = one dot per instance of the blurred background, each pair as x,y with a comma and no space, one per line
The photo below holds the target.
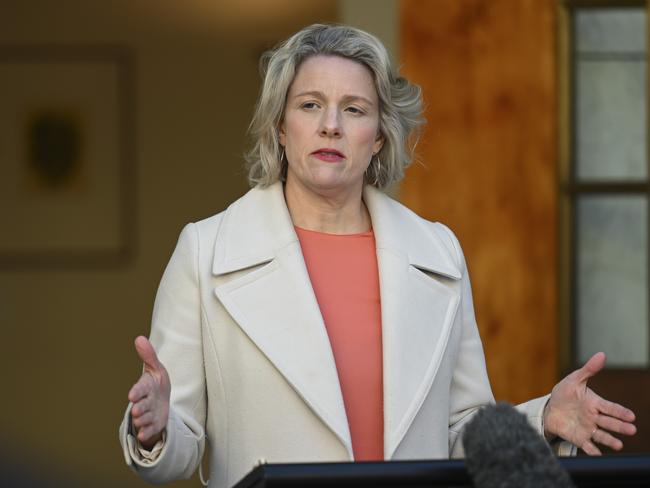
121,121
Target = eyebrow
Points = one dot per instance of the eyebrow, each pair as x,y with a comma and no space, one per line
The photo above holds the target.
346,98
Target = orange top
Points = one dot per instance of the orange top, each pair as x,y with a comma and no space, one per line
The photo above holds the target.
344,275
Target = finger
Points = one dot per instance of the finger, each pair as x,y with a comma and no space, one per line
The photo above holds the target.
142,407
138,392
142,388
615,410
147,353
615,425
590,448
144,433
144,420
606,439
147,433
591,367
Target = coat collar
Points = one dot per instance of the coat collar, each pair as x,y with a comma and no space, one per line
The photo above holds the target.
259,224
276,307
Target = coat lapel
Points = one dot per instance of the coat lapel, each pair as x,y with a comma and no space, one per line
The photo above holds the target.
275,305
419,299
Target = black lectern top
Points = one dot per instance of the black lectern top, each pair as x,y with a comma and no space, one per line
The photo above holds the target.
606,471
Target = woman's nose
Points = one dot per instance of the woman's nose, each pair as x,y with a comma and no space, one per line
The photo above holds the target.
330,124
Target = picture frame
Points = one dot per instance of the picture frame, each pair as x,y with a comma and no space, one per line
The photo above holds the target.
67,156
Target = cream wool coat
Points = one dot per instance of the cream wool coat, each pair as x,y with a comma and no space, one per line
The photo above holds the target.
238,327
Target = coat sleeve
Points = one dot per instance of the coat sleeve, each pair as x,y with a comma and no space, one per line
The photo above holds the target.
470,388
176,336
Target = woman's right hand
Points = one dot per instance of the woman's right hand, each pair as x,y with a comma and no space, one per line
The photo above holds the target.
150,396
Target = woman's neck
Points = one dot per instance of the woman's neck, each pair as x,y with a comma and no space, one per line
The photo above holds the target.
336,213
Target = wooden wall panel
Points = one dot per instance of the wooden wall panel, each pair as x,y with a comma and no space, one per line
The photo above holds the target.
487,168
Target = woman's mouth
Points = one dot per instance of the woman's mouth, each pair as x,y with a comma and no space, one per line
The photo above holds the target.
329,155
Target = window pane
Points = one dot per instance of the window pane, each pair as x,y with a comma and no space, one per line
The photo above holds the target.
611,120
610,30
612,280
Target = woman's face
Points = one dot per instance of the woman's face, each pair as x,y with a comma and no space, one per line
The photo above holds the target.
330,129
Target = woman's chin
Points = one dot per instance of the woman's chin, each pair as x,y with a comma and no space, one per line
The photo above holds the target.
333,185
326,181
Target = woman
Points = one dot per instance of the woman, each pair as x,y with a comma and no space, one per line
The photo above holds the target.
316,319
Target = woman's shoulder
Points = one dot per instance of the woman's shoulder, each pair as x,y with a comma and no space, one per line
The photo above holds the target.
208,227
402,213
415,234
249,226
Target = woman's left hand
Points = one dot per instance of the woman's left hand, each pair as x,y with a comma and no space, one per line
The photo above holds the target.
577,414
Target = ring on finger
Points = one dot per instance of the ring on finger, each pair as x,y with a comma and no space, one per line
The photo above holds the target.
593,432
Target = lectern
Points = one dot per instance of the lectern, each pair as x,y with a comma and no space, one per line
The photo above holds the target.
607,471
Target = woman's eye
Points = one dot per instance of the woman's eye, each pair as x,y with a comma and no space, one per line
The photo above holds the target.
355,110
309,105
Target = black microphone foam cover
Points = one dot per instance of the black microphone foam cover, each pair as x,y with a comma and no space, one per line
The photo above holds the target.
503,450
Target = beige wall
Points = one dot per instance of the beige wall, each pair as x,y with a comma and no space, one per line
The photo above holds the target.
67,356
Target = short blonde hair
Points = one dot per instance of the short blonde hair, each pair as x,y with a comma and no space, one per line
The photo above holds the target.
400,102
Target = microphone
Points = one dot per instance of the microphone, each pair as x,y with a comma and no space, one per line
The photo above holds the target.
503,450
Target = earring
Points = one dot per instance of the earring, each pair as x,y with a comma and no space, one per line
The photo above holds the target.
282,156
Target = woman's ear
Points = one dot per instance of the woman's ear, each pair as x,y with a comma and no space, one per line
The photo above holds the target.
282,135
379,143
